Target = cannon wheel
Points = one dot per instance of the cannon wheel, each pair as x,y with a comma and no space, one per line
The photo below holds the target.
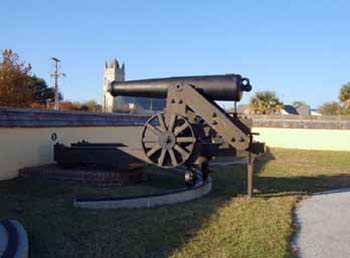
168,145
190,177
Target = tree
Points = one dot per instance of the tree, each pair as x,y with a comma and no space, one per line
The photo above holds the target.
330,108
344,95
299,103
41,92
91,106
69,106
265,102
88,106
14,81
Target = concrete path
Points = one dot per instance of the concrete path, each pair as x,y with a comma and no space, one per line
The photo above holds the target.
324,221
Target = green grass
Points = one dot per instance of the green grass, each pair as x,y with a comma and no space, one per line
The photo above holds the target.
223,224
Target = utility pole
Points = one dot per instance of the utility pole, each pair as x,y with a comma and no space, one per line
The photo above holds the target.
56,74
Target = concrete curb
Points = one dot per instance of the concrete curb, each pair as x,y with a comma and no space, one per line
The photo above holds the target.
339,190
13,240
148,201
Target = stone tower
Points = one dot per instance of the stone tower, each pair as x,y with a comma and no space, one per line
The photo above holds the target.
111,72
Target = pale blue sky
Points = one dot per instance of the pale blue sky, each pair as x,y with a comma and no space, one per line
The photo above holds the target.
299,48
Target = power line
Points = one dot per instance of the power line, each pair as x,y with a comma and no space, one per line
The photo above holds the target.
56,74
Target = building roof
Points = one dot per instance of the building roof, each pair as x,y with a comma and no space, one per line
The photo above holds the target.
290,110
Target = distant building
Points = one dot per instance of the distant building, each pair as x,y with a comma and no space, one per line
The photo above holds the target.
300,109
296,109
111,72
315,112
114,71
289,110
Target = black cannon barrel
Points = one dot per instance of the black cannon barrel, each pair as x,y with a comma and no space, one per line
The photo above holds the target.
228,87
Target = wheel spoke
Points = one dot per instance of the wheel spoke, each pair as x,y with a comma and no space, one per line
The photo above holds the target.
171,123
154,149
149,140
182,151
161,157
180,129
172,157
149,145
161,122
189,147
185,139
153,129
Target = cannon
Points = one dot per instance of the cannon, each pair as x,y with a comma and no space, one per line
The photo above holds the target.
227,87
193,128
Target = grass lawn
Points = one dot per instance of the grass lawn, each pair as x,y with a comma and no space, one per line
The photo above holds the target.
223,224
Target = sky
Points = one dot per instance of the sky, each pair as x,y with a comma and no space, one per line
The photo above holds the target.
300,49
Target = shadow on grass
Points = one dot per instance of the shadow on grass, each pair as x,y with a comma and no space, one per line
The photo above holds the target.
270,186
293,185
57,229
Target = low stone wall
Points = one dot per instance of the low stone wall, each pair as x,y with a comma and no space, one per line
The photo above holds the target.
149,201
16,117
304,122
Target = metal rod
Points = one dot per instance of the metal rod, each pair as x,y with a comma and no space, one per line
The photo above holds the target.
250,174
56,86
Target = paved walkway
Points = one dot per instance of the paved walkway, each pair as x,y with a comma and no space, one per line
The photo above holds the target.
324,221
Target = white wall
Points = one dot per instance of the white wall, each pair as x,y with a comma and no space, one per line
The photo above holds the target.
22,147
307,139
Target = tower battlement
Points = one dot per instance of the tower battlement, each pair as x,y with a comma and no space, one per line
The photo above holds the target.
112,72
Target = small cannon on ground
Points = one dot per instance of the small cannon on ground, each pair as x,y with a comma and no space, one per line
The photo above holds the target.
193,128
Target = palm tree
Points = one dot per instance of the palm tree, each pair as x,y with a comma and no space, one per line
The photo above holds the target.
265,102
344,95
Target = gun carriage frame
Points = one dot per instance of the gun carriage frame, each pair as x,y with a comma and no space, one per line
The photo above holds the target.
193,128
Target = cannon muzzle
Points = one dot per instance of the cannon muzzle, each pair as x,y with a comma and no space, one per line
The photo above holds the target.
228,87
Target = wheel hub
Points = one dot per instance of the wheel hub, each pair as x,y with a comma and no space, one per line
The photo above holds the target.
167,140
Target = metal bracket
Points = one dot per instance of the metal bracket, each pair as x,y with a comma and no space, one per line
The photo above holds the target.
230,129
